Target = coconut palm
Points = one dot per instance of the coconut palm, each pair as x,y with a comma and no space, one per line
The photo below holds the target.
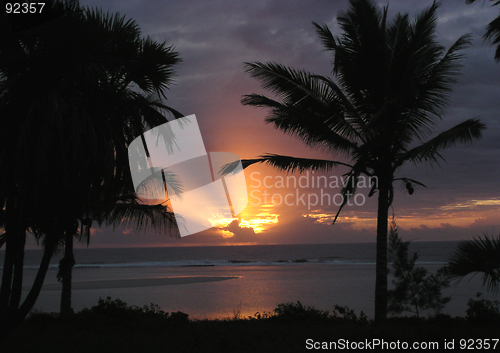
480,255
392,83
76,87
492,30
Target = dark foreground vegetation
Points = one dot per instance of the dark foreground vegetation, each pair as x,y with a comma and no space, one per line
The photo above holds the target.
113,326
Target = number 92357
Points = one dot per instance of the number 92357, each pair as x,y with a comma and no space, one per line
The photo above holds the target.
24,7
480,343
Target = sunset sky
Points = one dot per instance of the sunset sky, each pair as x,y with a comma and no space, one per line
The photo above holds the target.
215,38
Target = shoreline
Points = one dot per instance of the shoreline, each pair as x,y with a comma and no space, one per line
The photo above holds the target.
135,282
219,292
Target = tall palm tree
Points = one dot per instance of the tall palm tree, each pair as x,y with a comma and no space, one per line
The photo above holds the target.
76,87
392,83
480,255
492,30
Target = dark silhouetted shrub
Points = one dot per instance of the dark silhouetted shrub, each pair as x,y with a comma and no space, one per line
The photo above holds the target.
482,311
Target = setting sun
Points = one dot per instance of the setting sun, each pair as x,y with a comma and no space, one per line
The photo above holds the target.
261,220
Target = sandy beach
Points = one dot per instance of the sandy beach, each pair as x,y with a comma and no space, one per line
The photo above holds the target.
134,283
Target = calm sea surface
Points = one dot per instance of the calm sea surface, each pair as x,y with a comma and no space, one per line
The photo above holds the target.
317,275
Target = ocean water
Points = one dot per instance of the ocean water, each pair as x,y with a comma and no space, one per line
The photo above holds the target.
260,277
256,255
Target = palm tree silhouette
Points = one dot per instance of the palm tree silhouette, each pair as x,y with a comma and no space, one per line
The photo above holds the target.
76,87
480,255
392,83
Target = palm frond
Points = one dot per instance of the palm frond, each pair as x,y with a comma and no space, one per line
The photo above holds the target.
302,123
493,35
463,133
423,74
288,164
84,233
436,85
348,190
308,107
360,55
158,218
156,182
352,123
3,239
289,84
492,30
326,36
480,255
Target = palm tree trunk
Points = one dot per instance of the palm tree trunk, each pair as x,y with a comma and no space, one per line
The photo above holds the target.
10,256
65,275
7,273
38,282
381,266
13,317
17,281
12,278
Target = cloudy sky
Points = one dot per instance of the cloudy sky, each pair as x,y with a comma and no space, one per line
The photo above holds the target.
216,38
